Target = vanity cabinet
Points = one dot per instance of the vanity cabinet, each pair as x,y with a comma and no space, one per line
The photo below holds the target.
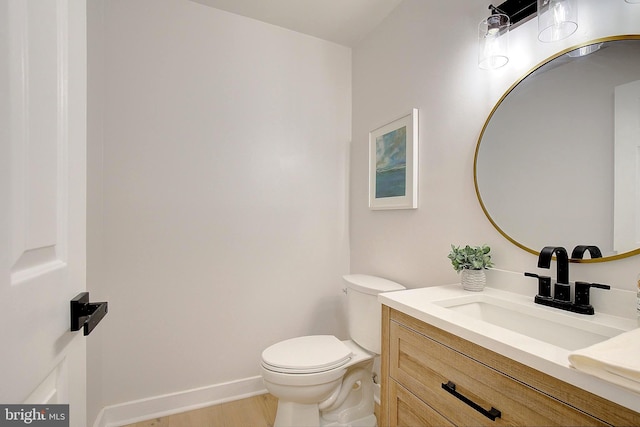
434,378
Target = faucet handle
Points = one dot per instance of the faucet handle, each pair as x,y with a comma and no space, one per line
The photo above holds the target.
582,292
544,285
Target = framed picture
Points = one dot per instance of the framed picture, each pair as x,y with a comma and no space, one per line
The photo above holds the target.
393,164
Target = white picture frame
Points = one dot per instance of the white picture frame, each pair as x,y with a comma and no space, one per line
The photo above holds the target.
393,164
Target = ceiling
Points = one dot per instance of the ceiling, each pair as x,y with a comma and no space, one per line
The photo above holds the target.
345,22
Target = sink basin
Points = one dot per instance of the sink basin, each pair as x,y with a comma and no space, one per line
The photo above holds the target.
564,330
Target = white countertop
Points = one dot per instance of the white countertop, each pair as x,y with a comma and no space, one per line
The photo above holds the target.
547,358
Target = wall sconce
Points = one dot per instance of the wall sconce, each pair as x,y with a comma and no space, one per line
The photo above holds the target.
493,41
557,19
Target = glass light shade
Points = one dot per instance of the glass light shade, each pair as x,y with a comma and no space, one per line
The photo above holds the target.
557,19
633,1
493,42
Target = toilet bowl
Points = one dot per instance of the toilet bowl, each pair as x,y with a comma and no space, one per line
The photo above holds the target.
320,380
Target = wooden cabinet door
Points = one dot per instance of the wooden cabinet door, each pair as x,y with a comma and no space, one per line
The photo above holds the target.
407,410
426,367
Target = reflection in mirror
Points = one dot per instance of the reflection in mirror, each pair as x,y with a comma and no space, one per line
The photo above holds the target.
557,162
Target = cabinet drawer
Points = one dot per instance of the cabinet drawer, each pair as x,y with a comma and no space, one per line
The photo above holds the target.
423,365
408,410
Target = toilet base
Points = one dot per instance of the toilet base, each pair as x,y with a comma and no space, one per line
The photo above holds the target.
290,414
299,415
368,421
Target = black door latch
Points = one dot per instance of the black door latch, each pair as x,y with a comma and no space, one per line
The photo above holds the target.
85,314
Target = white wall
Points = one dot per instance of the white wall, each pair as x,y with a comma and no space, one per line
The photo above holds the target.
95,230
425,56
224,177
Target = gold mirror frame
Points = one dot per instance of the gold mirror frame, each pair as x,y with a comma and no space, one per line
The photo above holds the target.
475,159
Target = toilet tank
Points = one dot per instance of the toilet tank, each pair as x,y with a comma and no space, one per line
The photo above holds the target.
364,312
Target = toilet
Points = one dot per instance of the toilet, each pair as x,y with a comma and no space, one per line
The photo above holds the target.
322,381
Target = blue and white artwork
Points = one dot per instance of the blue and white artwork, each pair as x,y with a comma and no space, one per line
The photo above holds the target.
391,164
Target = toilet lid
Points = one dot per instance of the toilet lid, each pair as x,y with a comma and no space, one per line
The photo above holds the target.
309,354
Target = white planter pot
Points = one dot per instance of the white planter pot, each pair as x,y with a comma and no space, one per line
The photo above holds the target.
473,280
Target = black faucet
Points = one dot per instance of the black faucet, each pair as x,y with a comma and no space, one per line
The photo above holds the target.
544,261
562,289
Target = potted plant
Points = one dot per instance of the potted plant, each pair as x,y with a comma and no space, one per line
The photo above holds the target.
471,261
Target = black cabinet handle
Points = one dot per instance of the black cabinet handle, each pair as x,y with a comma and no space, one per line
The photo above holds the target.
492,413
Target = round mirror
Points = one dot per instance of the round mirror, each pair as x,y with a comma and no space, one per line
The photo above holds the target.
558,160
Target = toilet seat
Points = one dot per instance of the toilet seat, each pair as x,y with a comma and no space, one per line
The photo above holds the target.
306,355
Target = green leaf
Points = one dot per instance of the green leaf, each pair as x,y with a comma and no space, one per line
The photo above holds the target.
470,257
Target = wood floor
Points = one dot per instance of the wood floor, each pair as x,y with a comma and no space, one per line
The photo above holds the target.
257,411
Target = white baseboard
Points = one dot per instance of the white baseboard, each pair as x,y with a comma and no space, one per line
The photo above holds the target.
168,404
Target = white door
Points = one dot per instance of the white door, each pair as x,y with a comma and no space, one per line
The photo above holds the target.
42,194
626,211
